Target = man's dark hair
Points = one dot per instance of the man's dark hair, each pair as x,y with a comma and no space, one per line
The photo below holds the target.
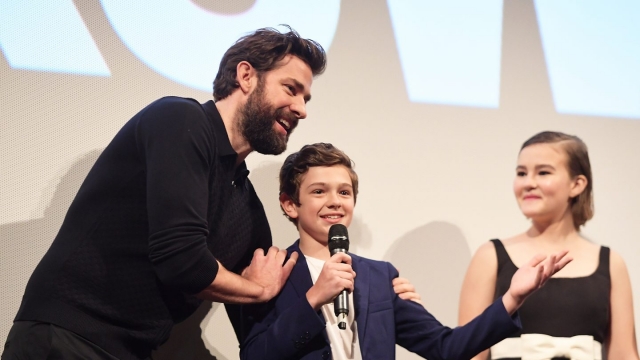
263,49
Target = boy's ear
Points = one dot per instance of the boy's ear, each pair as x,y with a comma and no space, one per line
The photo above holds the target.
246,76
288,206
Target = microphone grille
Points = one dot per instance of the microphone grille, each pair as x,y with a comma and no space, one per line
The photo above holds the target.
338,237
338,230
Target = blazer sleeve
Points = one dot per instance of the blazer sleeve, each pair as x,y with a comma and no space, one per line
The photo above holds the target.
420,332
288,325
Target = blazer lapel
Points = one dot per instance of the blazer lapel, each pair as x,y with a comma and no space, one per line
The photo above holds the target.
300,277
361,298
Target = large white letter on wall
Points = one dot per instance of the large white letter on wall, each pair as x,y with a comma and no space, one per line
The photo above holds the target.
48,36
185,42
592,50
449,50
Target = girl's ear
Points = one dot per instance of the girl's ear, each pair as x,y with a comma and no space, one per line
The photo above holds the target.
579,184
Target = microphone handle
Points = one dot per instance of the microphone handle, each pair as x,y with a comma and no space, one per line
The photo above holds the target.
341,308
341,303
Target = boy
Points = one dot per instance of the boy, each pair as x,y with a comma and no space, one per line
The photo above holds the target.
318,188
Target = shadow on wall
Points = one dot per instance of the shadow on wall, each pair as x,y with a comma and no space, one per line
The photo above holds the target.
186,340
434,257
25,242
360,237
265,181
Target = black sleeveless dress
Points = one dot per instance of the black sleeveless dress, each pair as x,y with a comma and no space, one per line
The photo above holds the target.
568,318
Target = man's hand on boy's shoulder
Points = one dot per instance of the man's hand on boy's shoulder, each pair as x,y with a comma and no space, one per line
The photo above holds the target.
405,290
270,270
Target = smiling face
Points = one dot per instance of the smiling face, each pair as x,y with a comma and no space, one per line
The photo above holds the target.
275,106
543,186
326,198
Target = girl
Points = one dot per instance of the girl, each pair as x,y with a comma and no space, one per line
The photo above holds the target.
585,311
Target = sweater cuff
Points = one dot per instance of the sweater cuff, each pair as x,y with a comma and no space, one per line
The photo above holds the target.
207,270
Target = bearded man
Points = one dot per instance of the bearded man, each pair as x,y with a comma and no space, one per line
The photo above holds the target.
167,216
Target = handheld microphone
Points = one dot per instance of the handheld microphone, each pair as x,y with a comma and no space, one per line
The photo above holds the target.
339,242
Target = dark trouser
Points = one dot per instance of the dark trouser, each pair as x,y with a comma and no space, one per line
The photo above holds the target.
36,340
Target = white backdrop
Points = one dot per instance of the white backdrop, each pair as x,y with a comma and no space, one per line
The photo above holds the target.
432,104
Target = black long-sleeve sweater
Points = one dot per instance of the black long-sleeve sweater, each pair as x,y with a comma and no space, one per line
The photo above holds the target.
162,203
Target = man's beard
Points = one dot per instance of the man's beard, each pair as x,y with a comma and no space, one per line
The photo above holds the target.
256,120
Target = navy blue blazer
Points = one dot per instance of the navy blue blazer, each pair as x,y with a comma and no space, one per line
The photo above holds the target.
287,327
